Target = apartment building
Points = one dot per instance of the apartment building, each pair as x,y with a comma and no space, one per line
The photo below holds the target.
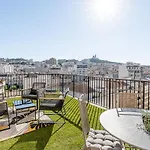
55,69
131,70
6,68
146,71
82,69
135,70
68,67
51,61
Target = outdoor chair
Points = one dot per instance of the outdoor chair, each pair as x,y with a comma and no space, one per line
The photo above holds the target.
4,115
126,100
95,139
56,105
34,92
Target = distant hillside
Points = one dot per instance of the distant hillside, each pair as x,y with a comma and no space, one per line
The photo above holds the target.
97,60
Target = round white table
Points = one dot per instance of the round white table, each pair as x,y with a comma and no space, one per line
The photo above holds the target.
128,126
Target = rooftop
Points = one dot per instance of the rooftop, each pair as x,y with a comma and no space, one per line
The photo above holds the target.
67,137
102,94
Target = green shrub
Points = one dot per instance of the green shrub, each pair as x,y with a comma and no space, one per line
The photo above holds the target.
146,120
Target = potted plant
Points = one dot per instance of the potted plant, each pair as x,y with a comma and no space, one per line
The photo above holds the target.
146,120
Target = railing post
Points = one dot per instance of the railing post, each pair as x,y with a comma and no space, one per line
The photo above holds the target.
73,82
143,94
109,93
62,81
88,88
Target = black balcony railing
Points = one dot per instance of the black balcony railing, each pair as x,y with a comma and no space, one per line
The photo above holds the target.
104,92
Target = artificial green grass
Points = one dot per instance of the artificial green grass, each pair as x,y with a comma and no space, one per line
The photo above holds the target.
56,137
10,101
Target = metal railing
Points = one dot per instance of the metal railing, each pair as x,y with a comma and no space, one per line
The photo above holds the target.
104,92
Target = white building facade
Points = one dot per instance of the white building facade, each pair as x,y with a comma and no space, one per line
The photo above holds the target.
131,70
82,69
6,68
135,70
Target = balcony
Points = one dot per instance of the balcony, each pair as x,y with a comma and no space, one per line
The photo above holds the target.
102,93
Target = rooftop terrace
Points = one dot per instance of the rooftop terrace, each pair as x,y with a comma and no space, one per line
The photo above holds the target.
102,93
68,137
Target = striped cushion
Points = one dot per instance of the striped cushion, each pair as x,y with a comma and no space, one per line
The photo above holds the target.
102,140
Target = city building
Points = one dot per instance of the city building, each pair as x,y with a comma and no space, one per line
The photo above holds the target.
55,69
82,69
131,70
123,71
51,61
68,67
135,70
6,68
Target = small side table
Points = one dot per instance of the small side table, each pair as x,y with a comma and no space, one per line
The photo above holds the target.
24,105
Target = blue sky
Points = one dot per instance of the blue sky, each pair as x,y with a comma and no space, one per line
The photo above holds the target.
41,29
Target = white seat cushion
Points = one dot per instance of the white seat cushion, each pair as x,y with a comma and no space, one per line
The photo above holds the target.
108,143
110,137
102,140
107,148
